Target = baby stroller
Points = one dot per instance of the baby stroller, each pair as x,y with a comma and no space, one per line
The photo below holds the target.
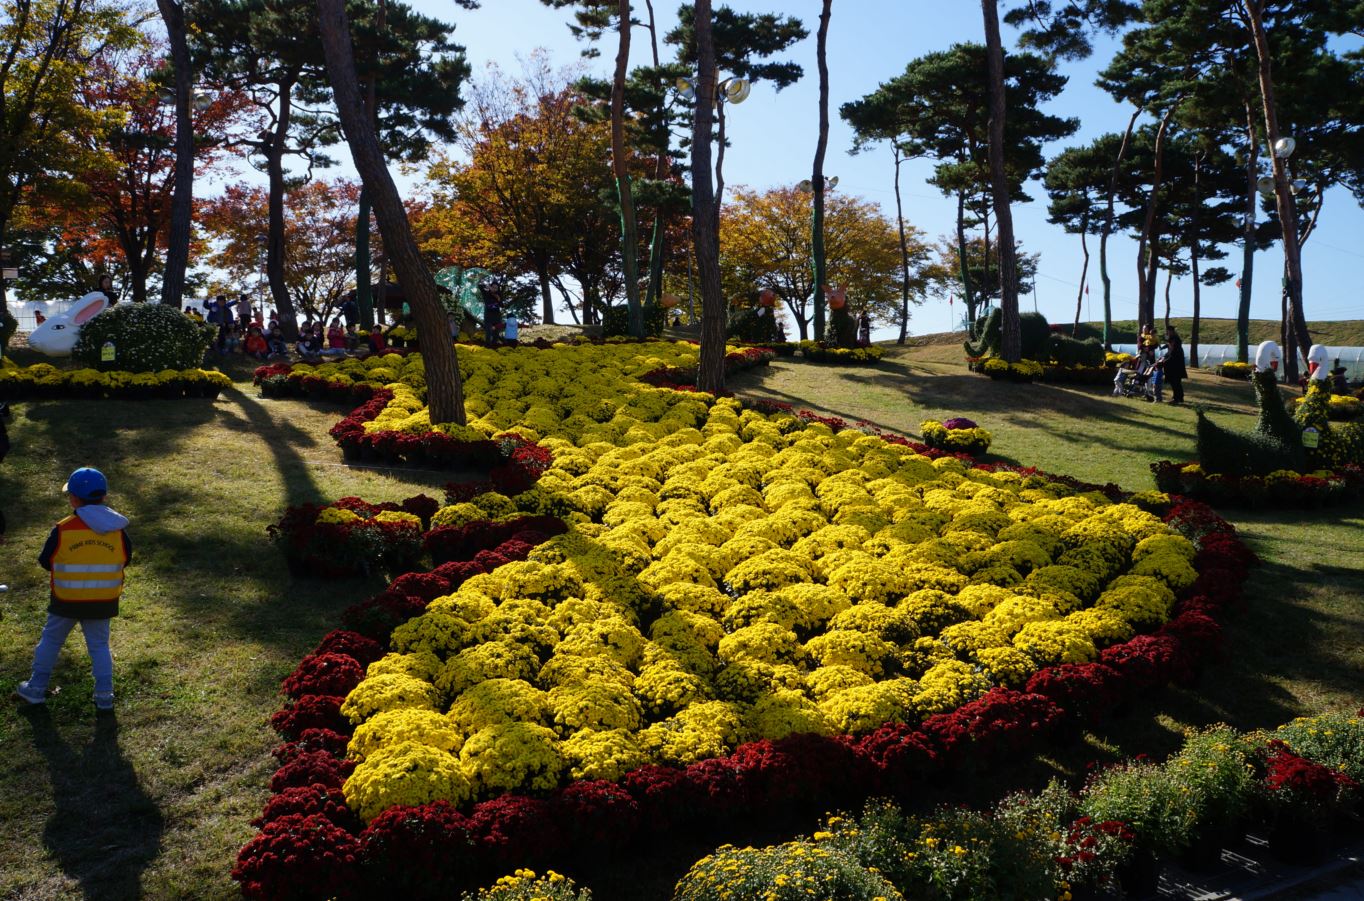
1139,382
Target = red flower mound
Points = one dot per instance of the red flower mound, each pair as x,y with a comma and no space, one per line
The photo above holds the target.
427,586
323,674
365,650
457,572
1287,772
381,614
310,712
1084,690
301,857
312,768
423,850
826,769
326,740
600,816
1000,722
308,800
515,831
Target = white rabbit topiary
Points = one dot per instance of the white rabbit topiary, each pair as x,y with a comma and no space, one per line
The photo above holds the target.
57,336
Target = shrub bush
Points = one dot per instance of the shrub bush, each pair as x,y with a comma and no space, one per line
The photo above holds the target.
615,322
8,326
147,337
1066,351
746,325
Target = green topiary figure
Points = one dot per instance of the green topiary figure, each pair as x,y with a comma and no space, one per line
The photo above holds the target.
147,337
1224,452
1033,329
1066,351
755,325
1274,420
989,331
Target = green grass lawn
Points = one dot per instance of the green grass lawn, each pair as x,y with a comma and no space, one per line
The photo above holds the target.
158,805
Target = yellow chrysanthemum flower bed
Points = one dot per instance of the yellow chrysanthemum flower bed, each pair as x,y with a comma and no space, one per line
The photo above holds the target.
731,576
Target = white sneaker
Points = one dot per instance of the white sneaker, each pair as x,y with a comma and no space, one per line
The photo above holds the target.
25,694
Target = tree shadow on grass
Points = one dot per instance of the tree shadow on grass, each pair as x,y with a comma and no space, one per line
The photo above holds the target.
104,829
285,438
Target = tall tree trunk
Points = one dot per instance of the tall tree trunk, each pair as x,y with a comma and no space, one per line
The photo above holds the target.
710,373
1084,273
969,297
1169,280
844,330
364,297
1108,230
1248,238
547,299
1010,335
629,234
1148,257
444,391
1194,257
274,245
182,201
1283,194
904,250
657,242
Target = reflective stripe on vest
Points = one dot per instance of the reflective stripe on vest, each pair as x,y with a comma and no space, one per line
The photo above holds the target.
87,565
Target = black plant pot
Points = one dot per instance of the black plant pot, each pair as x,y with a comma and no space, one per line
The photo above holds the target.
1140,876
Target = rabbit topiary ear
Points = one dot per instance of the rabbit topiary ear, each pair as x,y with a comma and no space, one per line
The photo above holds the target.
87,311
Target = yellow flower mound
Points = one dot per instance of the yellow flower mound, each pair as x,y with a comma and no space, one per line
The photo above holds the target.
731,576
409,772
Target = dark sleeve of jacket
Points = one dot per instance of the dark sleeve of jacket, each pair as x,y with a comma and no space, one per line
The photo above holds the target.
49,548
127,548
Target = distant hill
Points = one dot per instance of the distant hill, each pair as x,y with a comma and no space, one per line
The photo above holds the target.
1344,333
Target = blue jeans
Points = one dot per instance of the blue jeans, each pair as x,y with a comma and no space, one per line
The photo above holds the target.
96,633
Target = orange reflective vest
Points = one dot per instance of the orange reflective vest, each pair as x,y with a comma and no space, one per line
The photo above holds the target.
87,566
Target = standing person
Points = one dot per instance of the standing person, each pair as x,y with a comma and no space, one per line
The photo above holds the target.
492,312
106,287
1147,339
864,328
86,553
350,310
245,315
1176,367
221,316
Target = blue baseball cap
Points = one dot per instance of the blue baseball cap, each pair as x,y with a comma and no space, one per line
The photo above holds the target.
87,484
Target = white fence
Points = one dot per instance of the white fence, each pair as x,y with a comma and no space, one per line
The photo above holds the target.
1210,355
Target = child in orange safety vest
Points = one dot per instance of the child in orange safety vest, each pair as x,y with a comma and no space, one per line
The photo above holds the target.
86,553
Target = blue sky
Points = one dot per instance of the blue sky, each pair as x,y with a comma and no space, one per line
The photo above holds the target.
869,42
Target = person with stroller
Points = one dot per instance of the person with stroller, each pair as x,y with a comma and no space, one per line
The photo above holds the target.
1175,369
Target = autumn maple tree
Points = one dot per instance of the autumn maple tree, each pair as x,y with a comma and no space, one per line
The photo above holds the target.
319,231
534,197
765,242
116,210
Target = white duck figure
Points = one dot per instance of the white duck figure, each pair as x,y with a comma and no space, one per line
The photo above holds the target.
57,336
1317,358
1267,357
